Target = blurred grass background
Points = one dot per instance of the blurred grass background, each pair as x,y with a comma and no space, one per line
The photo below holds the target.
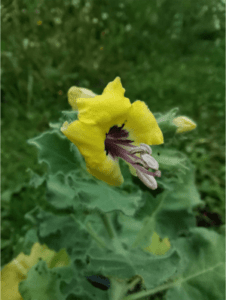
167,53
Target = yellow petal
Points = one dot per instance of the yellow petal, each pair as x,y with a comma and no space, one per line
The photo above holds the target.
11,276
16,271
88,139
90,142
142,125
114,88
108,171
106,108
75,92
184,124
38,251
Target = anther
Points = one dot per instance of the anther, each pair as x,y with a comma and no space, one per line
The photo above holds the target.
147,179
150,161
143,148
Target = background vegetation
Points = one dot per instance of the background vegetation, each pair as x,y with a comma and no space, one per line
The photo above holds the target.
167,53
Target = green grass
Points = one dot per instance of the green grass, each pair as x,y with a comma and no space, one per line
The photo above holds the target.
169,54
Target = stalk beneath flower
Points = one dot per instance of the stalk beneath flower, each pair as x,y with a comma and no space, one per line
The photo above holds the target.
117,145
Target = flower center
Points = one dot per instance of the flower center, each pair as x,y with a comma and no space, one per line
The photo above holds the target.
117,145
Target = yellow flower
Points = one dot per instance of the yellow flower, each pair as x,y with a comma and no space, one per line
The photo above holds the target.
158,247
16,271
39,23
109,127
184,124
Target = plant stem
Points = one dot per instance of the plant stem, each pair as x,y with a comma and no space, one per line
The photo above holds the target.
134,282
112,234
91,231
108,225
95,236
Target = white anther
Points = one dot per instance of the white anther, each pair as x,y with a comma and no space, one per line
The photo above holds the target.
146,148
143,148
150,161
147,179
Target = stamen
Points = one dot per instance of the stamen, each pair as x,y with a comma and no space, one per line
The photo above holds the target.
142,149
148,180
143,170
150,161
117,145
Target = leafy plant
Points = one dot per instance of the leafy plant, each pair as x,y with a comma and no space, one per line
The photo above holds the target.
110,232
168,54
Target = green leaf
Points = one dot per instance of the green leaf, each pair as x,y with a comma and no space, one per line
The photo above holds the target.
57,283
59,232
54,149
60,194
41,284
169,159
153,217
71,191
70,115
147,223
165,121
7,195
184,195
172,223
80,288
153,269
202,273
35,179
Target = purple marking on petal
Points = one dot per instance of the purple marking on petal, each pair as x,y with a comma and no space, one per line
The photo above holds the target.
124,143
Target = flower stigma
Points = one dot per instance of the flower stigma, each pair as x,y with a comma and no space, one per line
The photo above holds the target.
118,145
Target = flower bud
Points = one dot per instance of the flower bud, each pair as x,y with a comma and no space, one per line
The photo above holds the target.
75,92
184,124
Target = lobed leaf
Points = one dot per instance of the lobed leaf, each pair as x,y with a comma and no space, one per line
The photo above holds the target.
202,269
54,150
71,191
